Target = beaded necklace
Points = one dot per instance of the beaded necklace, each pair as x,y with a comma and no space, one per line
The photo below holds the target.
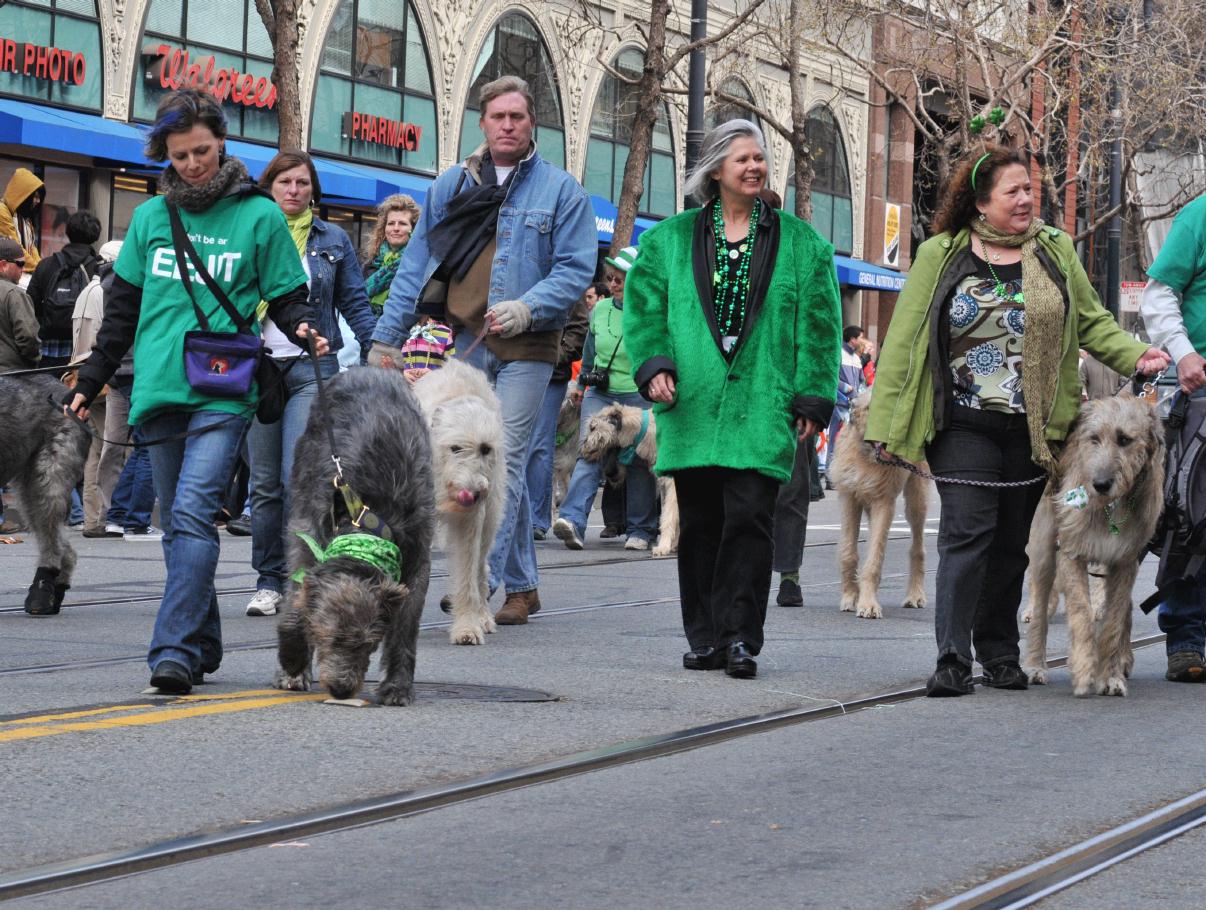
999,290
731,291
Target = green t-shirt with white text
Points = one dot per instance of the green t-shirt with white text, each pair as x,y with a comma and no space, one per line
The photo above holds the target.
1181,264
246,247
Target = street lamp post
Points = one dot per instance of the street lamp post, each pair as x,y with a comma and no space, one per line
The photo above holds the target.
697,74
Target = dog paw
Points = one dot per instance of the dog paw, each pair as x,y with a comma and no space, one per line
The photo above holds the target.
395,696
869,611
1036,675
914,603
466,633
660,551
298,683
847,603
1083,689
1115,685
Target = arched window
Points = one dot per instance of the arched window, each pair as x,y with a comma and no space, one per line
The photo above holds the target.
215,45
832,208
373,99
66,67
607,153
515,48
720,111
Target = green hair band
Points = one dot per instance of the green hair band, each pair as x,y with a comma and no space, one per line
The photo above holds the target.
976,167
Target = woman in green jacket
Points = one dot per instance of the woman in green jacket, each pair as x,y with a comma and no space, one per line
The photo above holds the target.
978,375
732,320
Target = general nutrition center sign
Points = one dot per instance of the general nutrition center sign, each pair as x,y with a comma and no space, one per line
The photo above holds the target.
174,67
49,64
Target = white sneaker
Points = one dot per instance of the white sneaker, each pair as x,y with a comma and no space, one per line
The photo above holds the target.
565,532
264,603
150,532
636,543
112,529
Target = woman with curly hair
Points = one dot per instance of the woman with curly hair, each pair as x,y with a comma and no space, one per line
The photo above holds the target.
978,375
397,216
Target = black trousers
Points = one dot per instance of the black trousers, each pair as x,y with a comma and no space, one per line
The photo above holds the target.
791,510
724,554
982,534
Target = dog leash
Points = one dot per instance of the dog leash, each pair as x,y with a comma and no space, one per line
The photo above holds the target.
481,336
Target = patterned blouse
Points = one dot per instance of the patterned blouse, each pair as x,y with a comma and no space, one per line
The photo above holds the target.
987,323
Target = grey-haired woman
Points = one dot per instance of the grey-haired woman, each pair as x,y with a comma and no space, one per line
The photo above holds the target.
732,322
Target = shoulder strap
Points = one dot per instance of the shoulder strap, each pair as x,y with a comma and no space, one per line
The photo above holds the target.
184,248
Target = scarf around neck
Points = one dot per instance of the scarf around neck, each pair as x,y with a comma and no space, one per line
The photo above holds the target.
1042,341
299,229
470,223
384,266
199,198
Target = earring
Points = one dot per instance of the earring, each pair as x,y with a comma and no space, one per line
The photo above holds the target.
982,218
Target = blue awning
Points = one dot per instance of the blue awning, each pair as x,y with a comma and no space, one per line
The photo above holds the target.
120,144
860,274
605,220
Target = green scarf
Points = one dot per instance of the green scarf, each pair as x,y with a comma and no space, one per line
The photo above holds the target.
299,228
1043,339
382,270
376,551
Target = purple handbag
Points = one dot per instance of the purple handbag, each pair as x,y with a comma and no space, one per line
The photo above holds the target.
221,364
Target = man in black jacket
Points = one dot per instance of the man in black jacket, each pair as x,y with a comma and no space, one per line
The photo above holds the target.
56,283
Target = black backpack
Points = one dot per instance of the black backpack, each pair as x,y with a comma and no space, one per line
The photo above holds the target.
1180,536
59,302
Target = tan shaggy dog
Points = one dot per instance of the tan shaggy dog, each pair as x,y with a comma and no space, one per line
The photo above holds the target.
865,486
615,428
1102,510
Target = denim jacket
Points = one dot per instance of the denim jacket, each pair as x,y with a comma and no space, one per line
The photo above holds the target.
336,283
545,252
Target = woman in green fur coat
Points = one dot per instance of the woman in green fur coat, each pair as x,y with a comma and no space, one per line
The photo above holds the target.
978,375
733,324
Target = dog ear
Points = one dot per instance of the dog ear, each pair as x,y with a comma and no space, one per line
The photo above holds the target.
391,598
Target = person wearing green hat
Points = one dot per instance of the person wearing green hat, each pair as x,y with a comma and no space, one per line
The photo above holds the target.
606,379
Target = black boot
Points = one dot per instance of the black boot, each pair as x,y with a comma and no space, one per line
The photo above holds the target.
41,601
59,591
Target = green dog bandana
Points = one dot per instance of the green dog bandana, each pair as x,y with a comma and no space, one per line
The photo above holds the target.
377,552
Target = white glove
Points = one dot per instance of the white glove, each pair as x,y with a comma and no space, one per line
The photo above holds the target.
510,318
384,355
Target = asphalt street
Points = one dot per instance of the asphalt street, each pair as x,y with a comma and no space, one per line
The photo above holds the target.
891,807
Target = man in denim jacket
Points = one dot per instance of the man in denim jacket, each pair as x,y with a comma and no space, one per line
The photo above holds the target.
506,244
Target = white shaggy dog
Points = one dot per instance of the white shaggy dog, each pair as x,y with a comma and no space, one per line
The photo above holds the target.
470,485
615,428
865,486
1103,510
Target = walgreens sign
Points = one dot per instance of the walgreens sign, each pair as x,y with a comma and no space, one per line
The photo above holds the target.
174,67
49,64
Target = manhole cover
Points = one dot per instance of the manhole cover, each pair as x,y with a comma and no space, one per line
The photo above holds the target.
470,692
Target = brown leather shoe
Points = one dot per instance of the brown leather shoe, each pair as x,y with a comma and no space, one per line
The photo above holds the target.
517,608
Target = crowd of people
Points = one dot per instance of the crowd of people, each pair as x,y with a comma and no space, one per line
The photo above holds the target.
725,321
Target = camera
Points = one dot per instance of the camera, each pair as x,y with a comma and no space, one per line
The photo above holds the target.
596,379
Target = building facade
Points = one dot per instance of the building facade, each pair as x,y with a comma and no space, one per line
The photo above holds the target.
389,96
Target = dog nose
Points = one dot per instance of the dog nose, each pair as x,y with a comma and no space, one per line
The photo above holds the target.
1103,486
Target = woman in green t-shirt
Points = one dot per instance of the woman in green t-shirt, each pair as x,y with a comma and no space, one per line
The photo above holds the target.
193,436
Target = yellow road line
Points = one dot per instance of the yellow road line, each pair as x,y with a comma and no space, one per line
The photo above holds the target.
69,715
161,716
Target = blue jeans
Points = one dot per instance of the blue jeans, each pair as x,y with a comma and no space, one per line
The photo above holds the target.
520,386
190,479
540,459
584,482
270,450
1183,616
134,495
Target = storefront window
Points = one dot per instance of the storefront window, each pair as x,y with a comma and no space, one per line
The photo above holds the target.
610,131
721,111
832,207
218,45
373,100
515,48
127,194
56,52
61,201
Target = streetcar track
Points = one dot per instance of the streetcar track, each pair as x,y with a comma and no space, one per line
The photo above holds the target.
551,567
403,804
426,626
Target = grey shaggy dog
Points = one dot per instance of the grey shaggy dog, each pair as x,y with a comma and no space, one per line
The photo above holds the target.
42,458
569,420
344,608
